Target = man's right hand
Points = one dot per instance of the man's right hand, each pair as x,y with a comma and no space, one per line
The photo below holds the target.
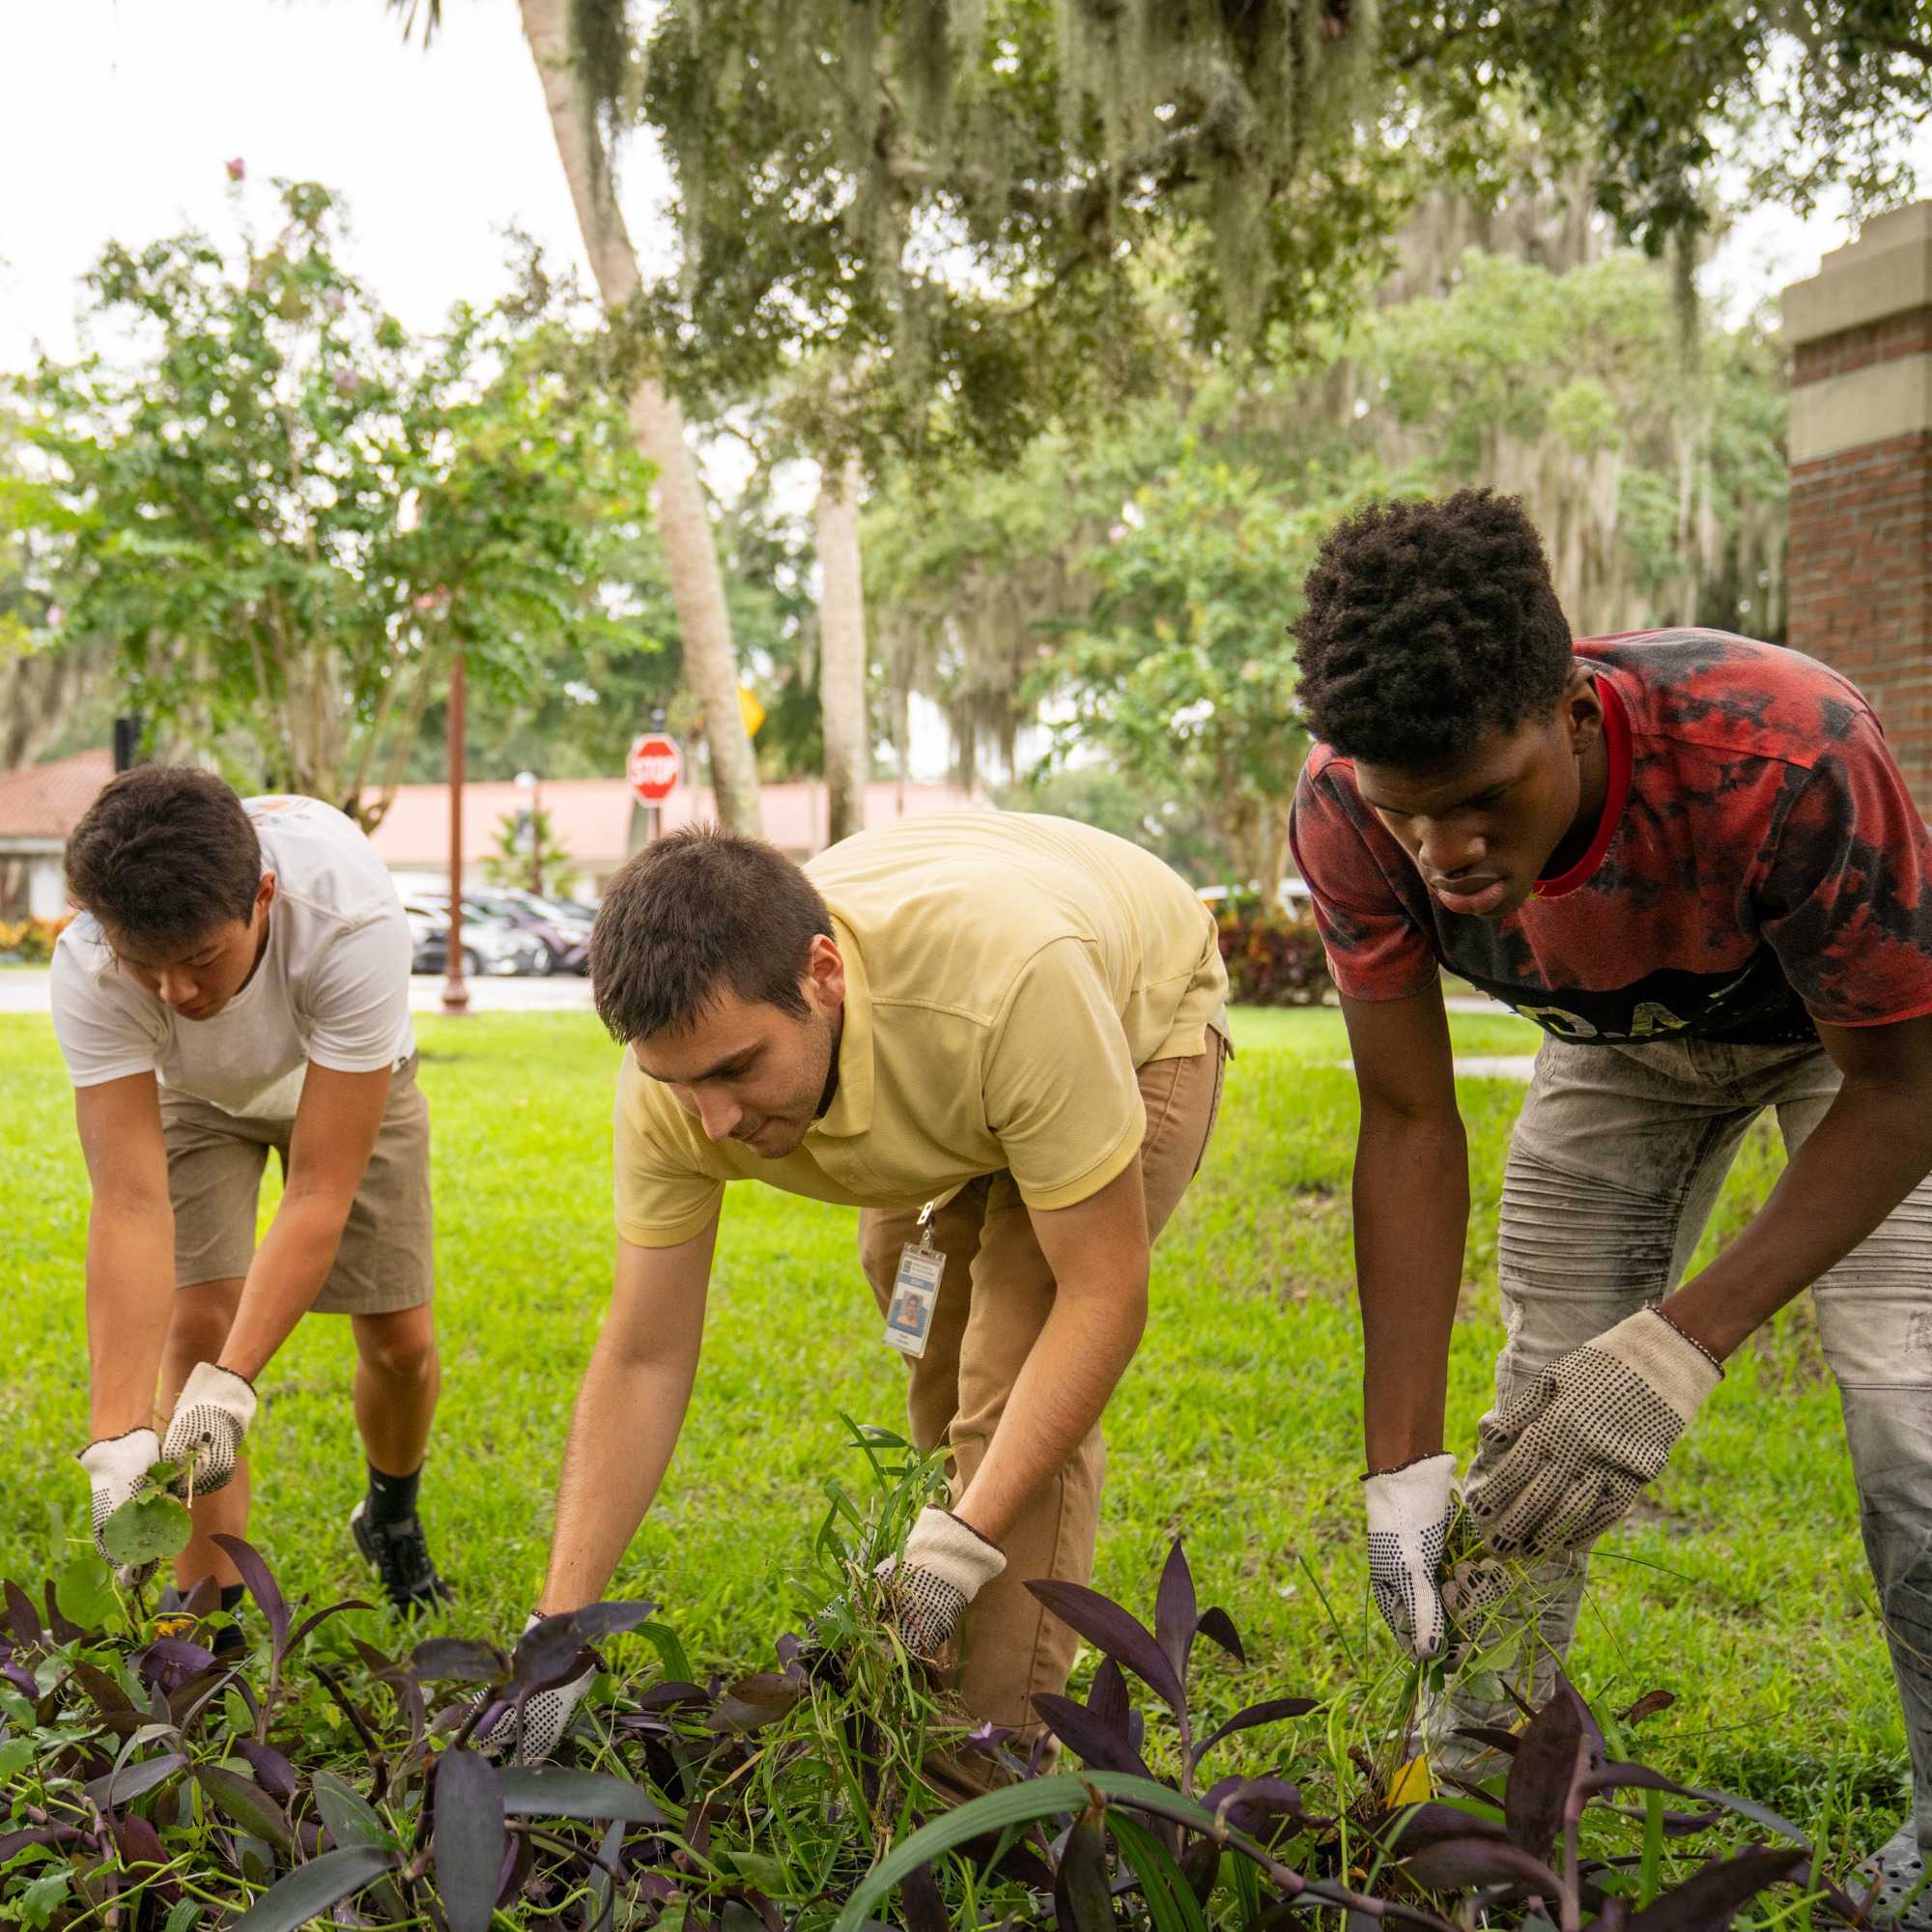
115,1467
1408,1511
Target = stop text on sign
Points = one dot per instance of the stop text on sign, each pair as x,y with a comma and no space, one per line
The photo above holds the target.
654,767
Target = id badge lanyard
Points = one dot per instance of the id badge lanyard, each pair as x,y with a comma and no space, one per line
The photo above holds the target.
916,1290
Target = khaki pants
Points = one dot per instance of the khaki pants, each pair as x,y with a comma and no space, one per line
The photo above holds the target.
387,1259
994,1299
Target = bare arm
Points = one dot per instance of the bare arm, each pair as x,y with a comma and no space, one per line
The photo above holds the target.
1097,1250
1871,1148
130,1249
1412,1201
336,1123
627,1414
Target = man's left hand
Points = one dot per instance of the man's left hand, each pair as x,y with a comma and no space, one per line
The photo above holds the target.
1568,1456
211,1418
945,1565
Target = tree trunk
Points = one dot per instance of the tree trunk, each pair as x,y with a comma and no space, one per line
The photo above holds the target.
841,648
691,552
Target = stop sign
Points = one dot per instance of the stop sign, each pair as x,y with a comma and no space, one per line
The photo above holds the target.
653,767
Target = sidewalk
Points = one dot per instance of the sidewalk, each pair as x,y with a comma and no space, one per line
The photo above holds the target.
26,989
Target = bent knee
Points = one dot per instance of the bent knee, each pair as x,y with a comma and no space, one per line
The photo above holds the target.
400,1347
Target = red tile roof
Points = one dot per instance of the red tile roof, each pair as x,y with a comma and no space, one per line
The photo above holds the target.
48,801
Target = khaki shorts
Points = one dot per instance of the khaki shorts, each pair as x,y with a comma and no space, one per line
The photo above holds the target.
387,1258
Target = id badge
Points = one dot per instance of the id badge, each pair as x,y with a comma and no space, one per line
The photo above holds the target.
915,1291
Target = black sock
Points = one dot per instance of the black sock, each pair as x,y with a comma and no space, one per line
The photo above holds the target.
232,1595
392,1498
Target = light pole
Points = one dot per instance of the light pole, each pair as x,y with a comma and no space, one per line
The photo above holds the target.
530,782
455,990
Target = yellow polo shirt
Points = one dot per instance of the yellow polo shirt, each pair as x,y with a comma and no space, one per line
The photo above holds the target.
1005,974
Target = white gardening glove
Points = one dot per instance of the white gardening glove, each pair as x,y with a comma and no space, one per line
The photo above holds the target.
115,1467
545,1717
1567,1458
1408,1525
210,1420
945,1565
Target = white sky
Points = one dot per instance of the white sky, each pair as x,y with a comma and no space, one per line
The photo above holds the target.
118,119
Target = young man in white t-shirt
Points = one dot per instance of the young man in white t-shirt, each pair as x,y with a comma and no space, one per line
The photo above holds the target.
237,980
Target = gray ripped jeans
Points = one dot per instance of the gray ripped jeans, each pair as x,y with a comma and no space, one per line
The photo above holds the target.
1616,1163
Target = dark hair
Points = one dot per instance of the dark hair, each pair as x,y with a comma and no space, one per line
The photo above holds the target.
695,914
1427,625
163,857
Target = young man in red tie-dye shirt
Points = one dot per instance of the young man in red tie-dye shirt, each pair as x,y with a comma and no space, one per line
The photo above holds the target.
1692,859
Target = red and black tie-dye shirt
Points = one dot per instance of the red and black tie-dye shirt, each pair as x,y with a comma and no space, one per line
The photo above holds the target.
1759,865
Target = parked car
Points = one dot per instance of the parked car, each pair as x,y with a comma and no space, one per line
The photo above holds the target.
490,944
565,948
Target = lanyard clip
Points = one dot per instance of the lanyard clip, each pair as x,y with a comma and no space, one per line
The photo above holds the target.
924,1226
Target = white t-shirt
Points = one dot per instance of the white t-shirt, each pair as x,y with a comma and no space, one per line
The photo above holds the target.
332,985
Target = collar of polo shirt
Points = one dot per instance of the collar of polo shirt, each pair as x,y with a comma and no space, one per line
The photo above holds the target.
851,1109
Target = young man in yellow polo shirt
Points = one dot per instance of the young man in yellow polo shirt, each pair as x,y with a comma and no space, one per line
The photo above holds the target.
1012,1020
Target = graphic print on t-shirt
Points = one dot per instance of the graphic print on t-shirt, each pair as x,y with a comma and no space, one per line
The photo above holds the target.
1768,868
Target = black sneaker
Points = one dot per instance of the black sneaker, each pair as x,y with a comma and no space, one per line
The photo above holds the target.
399,1554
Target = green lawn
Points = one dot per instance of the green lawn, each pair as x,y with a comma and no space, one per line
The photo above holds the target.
1743,1589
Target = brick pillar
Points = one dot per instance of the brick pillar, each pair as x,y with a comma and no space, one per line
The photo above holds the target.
1859,333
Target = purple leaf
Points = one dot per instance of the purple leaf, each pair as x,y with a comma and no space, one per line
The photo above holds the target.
108,1696
35,1835
1098,1744
459,1658
546,1654
1540,1777
925,1904
1648,1706
1505,1742
754,1703
1112,1632
1457,1863
1107,1698
273,1772
674,1694
608,1619
246,1804
120,1787
63,1628
22,1615
204,1600
550,1791
1082,1899
469,1842
1253,1801
22,1679
1420,1825
1712,1893
262,1586
315,1617
1270,1711
174,1657
1173,1610
311,1889
1218,1627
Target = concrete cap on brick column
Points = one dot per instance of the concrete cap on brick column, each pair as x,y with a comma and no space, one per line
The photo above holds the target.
1847,390
1885,271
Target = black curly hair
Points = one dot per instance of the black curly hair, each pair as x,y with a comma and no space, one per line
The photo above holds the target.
1428,623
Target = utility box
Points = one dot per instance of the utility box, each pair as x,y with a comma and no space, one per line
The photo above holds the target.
1859,333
